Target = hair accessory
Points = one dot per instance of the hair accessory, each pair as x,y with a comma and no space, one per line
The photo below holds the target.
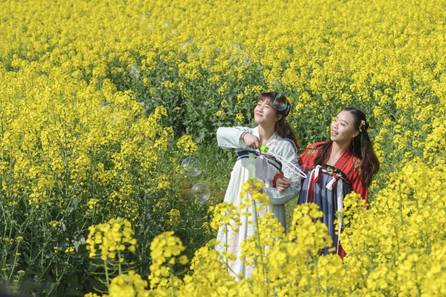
281,104
362,126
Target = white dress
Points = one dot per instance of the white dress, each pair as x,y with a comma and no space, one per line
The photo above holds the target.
265,170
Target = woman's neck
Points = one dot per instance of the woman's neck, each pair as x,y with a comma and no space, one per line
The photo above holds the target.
265,132
338,148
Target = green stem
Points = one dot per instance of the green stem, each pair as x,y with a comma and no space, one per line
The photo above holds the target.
106,274
15,260
119,262
226,245
252,175
259,245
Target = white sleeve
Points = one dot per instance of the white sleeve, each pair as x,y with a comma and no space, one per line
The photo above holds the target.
283,197
289,154
229,137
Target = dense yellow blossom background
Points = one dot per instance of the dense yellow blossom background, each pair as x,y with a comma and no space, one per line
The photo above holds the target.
100,100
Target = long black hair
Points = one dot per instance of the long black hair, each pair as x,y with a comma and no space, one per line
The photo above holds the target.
361,147
282,106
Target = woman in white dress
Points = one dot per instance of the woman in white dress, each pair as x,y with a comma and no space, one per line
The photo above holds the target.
274,132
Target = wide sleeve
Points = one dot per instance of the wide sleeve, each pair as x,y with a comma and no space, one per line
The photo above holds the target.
289,164
304,161
229,137
308,157
358,187
279,198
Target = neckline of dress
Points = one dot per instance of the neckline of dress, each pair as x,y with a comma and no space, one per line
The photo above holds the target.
272,137
340,160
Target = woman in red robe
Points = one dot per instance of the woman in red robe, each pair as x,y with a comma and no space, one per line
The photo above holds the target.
336,167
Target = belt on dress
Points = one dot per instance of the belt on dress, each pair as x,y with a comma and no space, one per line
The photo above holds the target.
268,158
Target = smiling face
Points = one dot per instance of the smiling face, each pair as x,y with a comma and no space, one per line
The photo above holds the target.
264,113
343,128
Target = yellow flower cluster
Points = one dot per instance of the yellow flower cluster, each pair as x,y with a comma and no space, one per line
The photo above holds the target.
224,214
187,145
209,276
253,189
165,252
128,285
372,55
82,85
91,203
403,254
174,217
111,238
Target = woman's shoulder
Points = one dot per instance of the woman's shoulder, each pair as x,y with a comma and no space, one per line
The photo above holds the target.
285,143
312,151
316,144
314,147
